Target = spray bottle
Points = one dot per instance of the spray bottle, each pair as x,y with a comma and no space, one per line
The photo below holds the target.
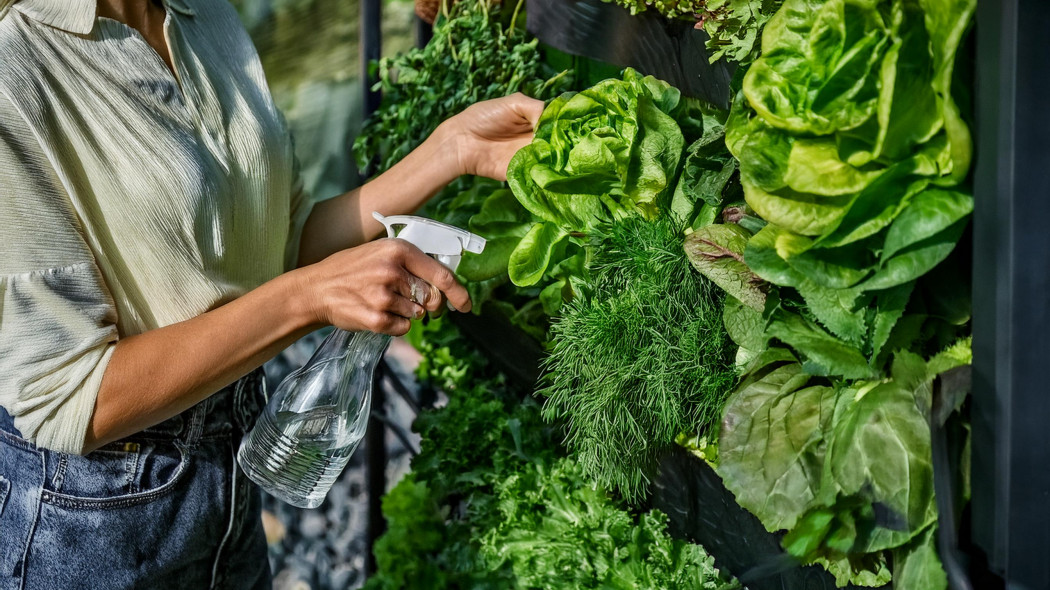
318,415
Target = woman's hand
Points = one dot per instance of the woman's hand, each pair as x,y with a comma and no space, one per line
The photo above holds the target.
379,286
489,133
480,141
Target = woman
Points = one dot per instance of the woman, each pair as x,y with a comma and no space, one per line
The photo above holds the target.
155,250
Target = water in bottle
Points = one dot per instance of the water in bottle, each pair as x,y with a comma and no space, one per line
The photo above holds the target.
315,420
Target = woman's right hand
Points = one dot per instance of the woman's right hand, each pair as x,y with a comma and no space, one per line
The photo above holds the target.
379,286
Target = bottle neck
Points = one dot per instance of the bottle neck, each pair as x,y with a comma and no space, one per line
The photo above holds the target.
365,347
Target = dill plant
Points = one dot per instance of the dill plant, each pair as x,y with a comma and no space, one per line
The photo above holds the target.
640,359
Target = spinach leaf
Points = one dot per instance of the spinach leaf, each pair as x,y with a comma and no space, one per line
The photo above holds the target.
770,446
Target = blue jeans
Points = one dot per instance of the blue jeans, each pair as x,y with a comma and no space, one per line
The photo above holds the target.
165,508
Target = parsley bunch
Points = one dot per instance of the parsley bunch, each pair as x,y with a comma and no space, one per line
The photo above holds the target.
477,53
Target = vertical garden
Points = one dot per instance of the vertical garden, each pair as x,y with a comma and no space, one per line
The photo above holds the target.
772,293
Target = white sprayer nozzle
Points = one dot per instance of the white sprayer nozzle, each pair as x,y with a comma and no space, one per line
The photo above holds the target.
445,242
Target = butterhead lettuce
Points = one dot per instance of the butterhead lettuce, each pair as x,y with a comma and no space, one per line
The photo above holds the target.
600,155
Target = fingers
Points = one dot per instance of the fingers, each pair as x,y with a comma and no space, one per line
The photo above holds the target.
529,108
417,291
406,307
388,323
420,265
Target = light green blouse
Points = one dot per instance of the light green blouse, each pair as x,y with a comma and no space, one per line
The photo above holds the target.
130,199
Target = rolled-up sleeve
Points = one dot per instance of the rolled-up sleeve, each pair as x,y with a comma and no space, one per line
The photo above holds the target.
57,318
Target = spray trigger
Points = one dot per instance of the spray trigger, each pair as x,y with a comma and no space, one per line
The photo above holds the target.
444,242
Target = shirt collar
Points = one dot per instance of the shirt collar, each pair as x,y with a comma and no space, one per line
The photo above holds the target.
77,16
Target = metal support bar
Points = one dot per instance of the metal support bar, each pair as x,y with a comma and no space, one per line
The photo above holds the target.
1011,404
375,469
399,431
375,437
371,50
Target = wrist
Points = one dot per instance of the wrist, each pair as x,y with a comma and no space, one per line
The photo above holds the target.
298,296
451,141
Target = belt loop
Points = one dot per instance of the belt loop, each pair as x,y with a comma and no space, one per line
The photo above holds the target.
246,400
196,425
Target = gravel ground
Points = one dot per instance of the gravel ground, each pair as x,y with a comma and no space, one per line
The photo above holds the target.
325,548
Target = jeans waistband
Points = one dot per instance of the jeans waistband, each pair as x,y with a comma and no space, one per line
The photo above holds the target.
233,408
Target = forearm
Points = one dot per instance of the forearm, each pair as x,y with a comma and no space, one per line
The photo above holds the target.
160,373
346,221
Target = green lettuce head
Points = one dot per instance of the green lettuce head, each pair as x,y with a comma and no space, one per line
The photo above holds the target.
852,148
600,155
843,91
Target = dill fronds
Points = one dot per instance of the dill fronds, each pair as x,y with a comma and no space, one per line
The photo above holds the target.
641,359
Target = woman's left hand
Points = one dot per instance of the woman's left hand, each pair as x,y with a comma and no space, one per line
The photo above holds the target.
489,133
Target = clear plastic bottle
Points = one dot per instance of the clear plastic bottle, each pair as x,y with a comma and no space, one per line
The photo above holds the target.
318,415
315,420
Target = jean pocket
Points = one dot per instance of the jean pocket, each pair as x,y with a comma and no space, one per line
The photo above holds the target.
123,473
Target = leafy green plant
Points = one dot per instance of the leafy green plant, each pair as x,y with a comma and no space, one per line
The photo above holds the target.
560,532
733,26
494,503
845,468
851,148
642,358
852,152
600,155
476,53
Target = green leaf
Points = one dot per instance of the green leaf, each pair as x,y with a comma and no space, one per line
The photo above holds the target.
824,353
654,159
491,263
915,260
947,22
602,154
881,451
552,297
744,325
762,258
770,445
802,213
930,212
532,255
864,569
707,215
762,151
917,564
889,307
875,206
814,168
814,76
810,533
706,170
500,215
835,268
837,310
959,354
717,252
